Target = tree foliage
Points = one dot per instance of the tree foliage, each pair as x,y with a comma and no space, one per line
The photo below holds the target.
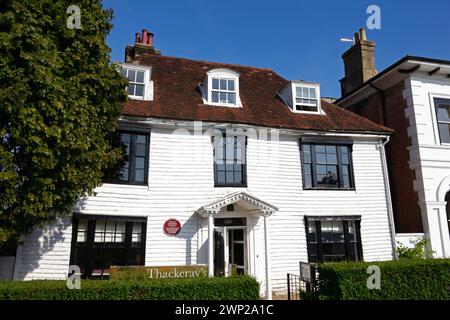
60,98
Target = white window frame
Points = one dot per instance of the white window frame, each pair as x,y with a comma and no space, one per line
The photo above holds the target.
294,97
148,84
437,136
221,74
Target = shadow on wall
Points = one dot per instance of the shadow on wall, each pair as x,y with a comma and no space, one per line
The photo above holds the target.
188,231
37,250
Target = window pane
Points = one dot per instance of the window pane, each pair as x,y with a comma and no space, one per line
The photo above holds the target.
132,75
299,92
321,158
312,93
139,90
139,175
230,177
215,84
308,181
221,177
305,93
444,132
215,96
140,138
140,150
232,98
331,158
223,84
124,174
338,231
140,76
223,97
231,85
312,234
444,114
321,169
331,149
140,163
307,153
82,230
327,231
320,148
131,89
345,159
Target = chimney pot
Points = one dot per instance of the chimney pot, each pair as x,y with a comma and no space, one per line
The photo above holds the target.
362,33
144,38
137,38
150,39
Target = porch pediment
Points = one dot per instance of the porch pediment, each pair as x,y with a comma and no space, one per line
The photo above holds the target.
244,200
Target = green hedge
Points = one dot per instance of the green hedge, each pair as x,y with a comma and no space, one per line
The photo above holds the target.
400,280
230,288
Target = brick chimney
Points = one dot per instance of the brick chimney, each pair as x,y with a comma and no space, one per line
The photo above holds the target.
143,45
359,63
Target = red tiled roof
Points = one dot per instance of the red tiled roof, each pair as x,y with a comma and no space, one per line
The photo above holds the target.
177,96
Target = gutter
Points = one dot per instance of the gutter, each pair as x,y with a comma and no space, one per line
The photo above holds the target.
388,196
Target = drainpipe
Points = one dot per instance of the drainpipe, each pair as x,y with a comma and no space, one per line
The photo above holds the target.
388,196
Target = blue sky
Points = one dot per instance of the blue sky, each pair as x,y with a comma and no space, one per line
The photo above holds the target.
297,39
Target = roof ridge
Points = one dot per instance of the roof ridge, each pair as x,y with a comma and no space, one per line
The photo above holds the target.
219,63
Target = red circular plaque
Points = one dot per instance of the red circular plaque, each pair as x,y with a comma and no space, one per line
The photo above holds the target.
172,227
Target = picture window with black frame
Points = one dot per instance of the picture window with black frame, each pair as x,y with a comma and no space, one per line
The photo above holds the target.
133,167
101,242
333,239
327,166
230,161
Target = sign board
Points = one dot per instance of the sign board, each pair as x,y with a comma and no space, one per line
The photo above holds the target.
305,271
172,227
157,272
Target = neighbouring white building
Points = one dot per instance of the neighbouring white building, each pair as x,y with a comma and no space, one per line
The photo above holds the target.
258,171
412,96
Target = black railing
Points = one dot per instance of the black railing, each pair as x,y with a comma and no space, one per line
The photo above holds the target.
293,286
303,286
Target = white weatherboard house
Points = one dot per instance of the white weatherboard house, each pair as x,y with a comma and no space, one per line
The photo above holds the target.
260,172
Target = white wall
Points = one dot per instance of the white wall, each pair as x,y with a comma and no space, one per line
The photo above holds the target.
429,158
181,180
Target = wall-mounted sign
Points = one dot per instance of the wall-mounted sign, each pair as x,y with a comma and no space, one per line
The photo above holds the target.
305,271
157,272
172,227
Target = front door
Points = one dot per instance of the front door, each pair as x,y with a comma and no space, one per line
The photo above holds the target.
230,251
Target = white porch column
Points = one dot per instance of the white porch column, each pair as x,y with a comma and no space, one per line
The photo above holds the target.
267,251
210,245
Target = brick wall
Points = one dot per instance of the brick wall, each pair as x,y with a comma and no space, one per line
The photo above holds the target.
407,214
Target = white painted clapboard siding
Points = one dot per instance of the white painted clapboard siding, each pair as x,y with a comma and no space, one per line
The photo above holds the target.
181,180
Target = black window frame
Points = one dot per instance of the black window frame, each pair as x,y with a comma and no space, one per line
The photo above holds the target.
347,243
91,247
437,103
132,159
243,165
314,185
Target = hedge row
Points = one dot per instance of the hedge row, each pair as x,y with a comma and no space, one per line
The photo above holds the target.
230,288
400,280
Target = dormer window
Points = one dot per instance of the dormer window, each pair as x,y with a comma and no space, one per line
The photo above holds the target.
139,84
221,88
302,97
223,91
306,98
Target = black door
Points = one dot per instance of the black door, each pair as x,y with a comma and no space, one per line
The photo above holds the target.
219,259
